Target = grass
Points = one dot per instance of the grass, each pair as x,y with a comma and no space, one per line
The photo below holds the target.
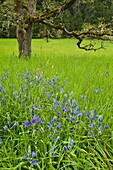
90,82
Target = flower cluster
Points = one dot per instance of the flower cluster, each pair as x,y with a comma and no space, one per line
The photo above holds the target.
49,113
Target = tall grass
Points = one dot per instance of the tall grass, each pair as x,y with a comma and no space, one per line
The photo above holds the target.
87,77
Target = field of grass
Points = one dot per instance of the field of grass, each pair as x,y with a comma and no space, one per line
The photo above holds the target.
56,108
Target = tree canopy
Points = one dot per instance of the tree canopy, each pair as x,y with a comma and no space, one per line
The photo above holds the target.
77,18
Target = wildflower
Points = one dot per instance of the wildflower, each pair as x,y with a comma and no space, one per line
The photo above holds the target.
34,120
92,125
52,149
32,110
25,157
9,121
105,127
50,135
49,126
74,104
71,142
26,123
0,143
31,127
71,119
90,134
64,98
15,124
47,63
37,79
33,154
96,90
40,121
5,127
39,70
54,120
58,126
41,73
56,155
52,67
37,129
99,122
33,162
79,115
66,148
58,113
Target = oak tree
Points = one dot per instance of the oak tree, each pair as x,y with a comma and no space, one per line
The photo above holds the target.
25,14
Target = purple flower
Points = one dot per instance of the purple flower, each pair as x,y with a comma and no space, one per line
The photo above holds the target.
49,126
59,126
31,127
52,149
9,121
105,127
33,162
58,113
32,110
79,115
74,104
26,123
96,90
40,121
63,110
71,119
99,121
33,121
54,120
25,157
92,125
5,127
37,129
100,118
64,99
50,135
56,155
33,154
15,124
90,134
0,143
66,148
71,142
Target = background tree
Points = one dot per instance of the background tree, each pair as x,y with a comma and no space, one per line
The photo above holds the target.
31,16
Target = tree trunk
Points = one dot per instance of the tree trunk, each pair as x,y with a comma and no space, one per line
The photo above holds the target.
27,41
20,38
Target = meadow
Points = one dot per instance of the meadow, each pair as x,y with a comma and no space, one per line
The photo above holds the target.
56,108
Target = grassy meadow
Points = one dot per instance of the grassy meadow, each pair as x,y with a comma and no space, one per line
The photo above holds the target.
56,108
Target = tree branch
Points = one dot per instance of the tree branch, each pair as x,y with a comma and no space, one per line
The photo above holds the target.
51,13
81,36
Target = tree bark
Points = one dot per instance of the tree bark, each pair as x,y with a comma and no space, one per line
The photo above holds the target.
20,38
27,41
28,30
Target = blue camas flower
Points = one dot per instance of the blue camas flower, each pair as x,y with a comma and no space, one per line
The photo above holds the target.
15,124
32,110
99,122
30,156
26,123
5,127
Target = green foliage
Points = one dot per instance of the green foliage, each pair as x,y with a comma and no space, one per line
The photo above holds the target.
73,18
86,71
